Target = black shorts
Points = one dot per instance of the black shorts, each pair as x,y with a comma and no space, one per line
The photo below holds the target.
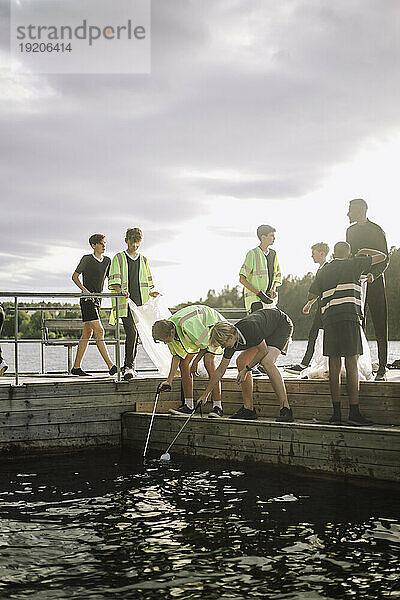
342,339
281,337
90,310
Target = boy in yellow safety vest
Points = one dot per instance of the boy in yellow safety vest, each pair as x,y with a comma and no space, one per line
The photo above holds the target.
130,275
260,274
187,334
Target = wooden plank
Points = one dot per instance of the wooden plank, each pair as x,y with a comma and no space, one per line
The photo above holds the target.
53,446
60,431
79,414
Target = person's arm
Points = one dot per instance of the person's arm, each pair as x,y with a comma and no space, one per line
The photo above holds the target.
196,360
117,288
307,307
261,352
248,285
77,281
377,257
214,379
172,371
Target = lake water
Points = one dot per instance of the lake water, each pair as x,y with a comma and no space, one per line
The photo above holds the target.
56,357
101,526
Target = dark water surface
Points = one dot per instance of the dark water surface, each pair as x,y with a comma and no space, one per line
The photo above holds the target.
101,526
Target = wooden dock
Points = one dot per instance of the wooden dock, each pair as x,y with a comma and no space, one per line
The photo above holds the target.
58,414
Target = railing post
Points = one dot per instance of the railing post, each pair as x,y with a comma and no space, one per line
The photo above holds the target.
117,347
16,338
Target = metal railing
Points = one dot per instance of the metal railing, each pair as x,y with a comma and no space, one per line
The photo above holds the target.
17,295
230,313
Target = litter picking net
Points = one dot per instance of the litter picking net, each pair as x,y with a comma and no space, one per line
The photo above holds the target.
145,316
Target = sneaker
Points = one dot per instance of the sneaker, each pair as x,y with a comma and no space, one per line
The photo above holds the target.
359,420
381,375
79,372
182,410
113,370
215,412
128,373
245,413
3,367
295,369
285,415
335,420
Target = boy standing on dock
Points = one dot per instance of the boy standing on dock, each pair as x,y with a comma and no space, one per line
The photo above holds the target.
130,275
260,337
338,287
319,252
362,233
187,334
94,269
260,273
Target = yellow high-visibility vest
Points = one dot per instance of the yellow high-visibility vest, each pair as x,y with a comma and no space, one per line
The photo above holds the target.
119,276
192,325
255,270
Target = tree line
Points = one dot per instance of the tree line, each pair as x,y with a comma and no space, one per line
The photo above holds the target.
292,297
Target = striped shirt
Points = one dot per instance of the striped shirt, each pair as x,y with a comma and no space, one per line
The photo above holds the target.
338,286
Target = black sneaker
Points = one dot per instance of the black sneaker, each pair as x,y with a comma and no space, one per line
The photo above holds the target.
285,415
381,375
182,410
245,413
335,420
256,372
113,370
215,412
359,420
79,372
295,369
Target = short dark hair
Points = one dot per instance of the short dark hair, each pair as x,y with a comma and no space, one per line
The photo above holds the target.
134,234
96,238
341,249
360,202
264,230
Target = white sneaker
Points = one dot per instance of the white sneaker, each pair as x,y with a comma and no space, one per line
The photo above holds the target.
3,367
128,374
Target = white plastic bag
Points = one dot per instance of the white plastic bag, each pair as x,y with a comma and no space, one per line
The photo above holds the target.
319,369
145,316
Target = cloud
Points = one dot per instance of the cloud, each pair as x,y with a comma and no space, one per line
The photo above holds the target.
276,94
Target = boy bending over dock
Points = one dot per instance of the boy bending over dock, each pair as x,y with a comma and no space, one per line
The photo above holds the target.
261,337
187,334
338,286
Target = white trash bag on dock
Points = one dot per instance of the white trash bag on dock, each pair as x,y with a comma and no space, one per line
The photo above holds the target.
145,316
319,369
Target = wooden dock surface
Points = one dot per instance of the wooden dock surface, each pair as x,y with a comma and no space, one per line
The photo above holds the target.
58,414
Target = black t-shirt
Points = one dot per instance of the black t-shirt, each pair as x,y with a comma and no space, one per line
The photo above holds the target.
368,235
133,279
93,272
255,328
337,284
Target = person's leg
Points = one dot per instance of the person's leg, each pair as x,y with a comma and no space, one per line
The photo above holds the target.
83,343
335,366
247,386
187,379
2,319
131,340
275,376
312,338
209,364
352,379
376,300
98,333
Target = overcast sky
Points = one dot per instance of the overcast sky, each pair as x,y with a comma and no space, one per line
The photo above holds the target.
256,111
